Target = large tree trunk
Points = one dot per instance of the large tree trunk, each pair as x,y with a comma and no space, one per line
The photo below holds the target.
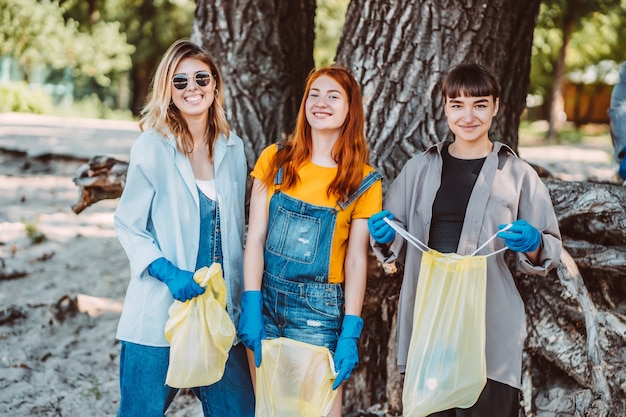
399,52
576,320
264,50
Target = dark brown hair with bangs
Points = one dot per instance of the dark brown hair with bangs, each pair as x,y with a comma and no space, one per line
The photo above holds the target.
469,80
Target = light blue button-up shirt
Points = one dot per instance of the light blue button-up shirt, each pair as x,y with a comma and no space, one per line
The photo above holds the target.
158,216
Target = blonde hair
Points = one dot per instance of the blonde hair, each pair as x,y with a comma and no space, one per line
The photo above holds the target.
161,114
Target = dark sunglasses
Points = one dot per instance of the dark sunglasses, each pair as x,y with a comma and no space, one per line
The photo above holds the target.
202,78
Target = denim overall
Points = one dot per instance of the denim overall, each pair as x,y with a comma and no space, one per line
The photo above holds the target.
210,248
298,301
233,394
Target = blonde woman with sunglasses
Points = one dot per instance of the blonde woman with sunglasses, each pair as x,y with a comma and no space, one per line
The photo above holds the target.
182,209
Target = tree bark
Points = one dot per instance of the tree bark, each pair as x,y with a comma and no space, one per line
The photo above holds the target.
399,52
264,50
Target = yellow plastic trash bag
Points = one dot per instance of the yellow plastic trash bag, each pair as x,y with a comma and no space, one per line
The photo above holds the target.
446,365
295,379
200,333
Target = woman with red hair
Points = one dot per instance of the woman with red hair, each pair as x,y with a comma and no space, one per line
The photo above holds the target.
306,251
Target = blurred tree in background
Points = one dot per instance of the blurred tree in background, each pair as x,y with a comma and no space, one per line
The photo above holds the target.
39,33
572,38
104,47
149,26
330,16
54,48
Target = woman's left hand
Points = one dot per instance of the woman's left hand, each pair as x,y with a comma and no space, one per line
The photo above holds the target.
521,236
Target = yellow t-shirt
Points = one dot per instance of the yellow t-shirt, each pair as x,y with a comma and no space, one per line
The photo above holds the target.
314,181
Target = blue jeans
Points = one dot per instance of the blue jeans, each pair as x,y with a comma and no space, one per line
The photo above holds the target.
144,394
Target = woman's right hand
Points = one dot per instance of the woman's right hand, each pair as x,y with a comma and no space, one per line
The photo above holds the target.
251,327
180,283
379,229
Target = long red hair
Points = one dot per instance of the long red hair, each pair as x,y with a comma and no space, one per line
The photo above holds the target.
350,151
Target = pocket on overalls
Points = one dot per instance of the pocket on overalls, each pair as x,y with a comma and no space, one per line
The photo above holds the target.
326,300
294,236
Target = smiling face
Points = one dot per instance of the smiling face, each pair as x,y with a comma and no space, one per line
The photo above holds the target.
326,106
194,100
470,118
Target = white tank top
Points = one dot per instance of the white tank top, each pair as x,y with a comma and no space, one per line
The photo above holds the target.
207,188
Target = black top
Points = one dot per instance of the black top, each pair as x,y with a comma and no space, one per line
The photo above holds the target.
457,181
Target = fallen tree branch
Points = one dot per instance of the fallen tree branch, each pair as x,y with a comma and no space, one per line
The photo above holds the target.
101,178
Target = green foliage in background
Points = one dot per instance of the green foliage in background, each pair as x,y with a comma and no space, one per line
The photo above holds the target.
534,132
595,34
103,47
38,33
34,32
329,20
91,107
18,97
149,26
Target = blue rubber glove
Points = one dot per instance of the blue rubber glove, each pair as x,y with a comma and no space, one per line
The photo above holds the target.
251,328
346,354
181,283
379,229
521,237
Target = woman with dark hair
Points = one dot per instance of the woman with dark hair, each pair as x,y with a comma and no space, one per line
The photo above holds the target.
306,251
182,209
455,196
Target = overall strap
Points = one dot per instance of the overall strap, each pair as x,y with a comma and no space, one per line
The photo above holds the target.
367,182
